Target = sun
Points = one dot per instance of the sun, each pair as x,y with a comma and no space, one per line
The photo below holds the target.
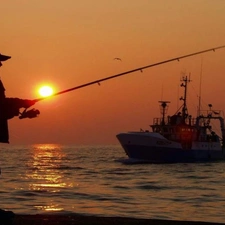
45,91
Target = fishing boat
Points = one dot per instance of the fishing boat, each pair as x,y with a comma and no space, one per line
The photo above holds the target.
178,138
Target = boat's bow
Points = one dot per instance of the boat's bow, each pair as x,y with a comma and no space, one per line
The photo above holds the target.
147,145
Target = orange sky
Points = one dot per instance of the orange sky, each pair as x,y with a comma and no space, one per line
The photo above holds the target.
69,42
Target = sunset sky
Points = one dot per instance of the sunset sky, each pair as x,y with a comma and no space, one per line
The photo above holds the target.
68,43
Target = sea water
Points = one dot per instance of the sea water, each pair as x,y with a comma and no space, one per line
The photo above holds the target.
102,181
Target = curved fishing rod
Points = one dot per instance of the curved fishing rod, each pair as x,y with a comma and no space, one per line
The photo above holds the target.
128,72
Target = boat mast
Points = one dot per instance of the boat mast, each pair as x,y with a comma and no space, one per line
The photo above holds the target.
200,90
185,80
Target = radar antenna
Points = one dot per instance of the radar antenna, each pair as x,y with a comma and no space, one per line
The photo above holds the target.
164,108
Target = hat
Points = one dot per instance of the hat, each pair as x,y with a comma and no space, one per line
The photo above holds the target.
4,57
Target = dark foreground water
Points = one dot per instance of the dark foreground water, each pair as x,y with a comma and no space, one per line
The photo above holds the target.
100,180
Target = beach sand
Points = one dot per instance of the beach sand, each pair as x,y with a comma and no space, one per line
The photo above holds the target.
44,219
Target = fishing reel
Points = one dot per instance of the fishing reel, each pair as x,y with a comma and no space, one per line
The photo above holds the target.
32,113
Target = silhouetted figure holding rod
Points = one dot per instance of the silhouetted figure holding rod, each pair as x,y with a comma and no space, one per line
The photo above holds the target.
10,107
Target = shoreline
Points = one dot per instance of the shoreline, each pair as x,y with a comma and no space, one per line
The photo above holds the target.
71,219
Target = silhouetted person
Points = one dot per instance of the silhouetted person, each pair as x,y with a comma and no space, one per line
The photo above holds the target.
9,108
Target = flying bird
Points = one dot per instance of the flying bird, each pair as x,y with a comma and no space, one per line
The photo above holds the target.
118,59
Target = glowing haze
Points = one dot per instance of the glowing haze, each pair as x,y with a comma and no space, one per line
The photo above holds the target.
69,43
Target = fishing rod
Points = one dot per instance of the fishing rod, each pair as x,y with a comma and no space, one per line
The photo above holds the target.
128,72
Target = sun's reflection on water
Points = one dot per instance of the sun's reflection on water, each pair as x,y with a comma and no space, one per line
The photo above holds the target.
50,208
45,174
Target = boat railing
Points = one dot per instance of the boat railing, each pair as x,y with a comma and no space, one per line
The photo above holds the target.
211,113
157,121
167,121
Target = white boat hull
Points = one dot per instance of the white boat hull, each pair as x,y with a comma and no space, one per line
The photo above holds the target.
153,147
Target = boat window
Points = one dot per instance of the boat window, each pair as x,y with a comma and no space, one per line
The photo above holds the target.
165,129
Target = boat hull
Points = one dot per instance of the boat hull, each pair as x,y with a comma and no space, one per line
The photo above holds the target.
146,147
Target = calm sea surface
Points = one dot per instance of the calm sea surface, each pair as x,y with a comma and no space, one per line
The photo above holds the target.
100,180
